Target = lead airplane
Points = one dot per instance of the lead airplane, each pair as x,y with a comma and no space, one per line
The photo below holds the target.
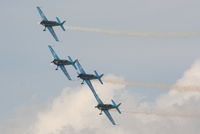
50,24
62,62
101,106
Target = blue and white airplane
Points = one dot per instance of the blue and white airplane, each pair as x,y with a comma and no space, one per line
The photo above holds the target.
62,62
101,106
87,77
106,107
50,24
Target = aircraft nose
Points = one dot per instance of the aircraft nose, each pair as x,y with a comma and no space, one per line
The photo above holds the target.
42,23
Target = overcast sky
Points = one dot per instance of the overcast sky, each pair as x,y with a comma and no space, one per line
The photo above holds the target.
27,78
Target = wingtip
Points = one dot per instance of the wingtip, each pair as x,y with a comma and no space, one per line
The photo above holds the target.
50,47
69,78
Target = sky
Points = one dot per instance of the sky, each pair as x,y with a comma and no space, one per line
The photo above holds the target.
30,85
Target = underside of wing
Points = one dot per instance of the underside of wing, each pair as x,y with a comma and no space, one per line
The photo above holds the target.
80,68
109,116
55,56
53,33
42,14
62,67
93,91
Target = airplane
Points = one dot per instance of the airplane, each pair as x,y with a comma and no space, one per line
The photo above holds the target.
101,106
87,77
50,24
62,62
106,107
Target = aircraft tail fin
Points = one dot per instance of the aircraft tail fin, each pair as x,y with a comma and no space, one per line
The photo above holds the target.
73,62
99,77
116,106
61,23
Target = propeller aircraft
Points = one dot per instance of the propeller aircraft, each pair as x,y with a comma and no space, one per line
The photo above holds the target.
62,62
50,24
101,106
87,77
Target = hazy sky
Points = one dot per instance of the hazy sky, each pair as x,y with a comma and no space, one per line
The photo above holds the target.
28,79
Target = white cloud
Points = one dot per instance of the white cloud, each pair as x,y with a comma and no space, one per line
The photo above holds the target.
73,111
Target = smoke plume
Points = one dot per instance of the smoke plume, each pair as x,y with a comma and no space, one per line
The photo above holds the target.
136,34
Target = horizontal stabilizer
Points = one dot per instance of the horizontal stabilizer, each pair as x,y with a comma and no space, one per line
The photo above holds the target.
116,106
99,77
60,23
73,62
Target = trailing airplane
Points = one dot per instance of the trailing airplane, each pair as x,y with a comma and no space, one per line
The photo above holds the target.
106,107
62,62
50,24
101,106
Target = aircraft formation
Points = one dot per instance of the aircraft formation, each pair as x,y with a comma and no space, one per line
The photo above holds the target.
85,77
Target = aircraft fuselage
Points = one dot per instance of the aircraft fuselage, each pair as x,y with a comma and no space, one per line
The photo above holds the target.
49,23
61,62
87,76
105,106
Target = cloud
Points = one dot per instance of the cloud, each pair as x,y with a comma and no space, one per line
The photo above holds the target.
73,111
182,99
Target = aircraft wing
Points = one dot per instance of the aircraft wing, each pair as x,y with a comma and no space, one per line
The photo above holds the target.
42,14
107,113
89,83
62,67
80,68
109,116
52,33
55,56
93,91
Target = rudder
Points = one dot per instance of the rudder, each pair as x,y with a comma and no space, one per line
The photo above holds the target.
99,77
116,106
73,62
61,23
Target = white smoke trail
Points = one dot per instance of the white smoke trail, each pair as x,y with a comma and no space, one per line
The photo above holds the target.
162,114
136,34
181,88
138,84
